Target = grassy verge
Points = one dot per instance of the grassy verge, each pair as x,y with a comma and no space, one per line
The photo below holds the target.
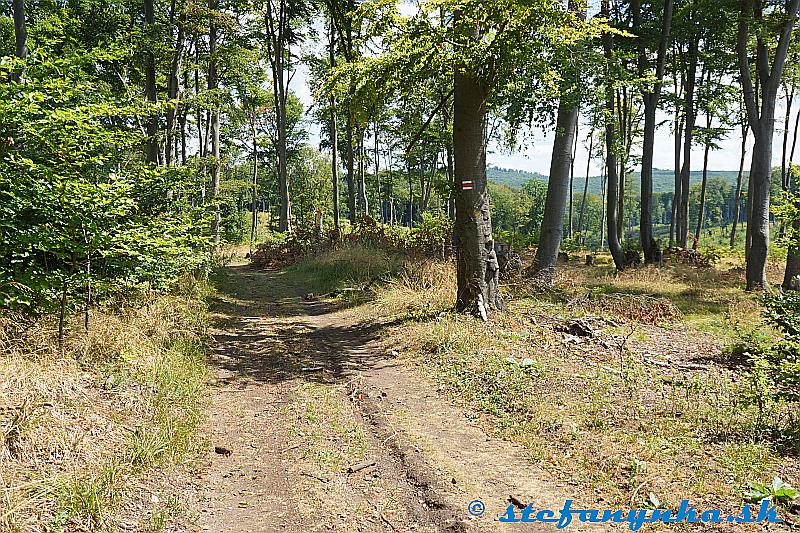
83,426
349,267
598,413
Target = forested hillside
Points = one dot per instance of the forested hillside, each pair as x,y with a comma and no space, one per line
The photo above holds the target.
256,274
663,180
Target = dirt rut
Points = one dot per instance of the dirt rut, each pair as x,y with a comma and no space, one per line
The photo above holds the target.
303,393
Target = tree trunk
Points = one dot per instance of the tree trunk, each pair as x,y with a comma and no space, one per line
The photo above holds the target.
758,225
701,211
790,276
476,261
790,173
562,166
737,200
362,183
552,228
652,253
572,177
761,117
786,120
625,132
586,189
150,87
611,157
212,86
20,28
335,162
254,220
650,248
451,200
277,23
285,217
377,176
676,195
351,185
172,86
686,170
603,187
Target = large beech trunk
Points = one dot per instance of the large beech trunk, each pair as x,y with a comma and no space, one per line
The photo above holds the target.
477,269
560,166
761,117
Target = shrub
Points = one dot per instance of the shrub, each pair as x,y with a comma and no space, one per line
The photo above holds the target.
774,380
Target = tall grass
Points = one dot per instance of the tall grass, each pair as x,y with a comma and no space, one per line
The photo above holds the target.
352,265
100,412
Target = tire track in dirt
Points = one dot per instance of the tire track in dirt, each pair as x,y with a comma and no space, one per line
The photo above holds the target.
273,352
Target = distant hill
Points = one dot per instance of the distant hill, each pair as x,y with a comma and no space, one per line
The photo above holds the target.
512,177
663,180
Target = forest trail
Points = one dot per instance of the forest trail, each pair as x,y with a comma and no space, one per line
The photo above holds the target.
302,393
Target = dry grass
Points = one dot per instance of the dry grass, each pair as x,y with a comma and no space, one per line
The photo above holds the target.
707,298
598,414
80,425
423,285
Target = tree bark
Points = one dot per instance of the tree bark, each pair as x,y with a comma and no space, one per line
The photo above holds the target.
614,244
377,175
572,177
651,97
150,86
792,271
173,86
214,120
552,228
603,188
585,189
737,200
701,211
254,184
351,185
689,124
277,24
334,134
676,195
362,184
761,119
476,261
20,28
786,121
562,164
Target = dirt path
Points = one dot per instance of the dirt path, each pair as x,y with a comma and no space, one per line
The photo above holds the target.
303,393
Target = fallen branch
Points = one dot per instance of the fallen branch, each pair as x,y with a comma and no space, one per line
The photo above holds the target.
361,466
318,478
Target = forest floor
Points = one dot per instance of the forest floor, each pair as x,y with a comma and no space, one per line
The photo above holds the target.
353,362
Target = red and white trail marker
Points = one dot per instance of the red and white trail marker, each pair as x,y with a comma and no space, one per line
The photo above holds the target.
466,185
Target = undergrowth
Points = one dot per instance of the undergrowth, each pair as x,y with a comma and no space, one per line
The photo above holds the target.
84,424
597,414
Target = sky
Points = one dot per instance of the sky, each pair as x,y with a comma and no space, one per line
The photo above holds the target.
534,156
